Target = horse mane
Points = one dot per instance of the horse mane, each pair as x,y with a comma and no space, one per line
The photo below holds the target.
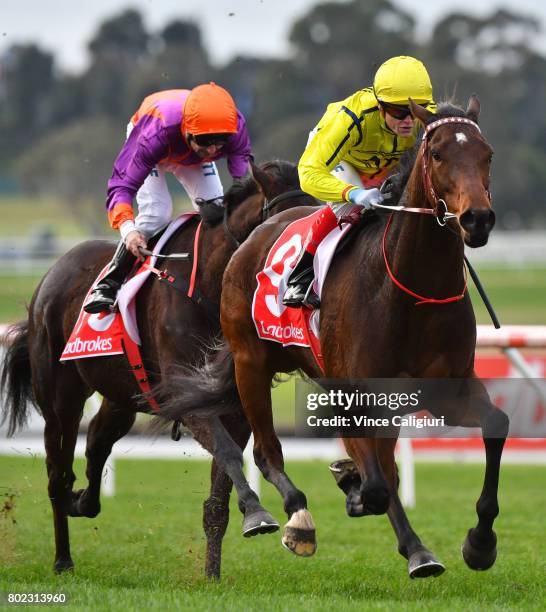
283,173
399,179
239,192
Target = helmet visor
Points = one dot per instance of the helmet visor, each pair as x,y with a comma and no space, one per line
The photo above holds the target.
208,140
397,111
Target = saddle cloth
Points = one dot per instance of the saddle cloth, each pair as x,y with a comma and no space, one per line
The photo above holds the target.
273,320
101,334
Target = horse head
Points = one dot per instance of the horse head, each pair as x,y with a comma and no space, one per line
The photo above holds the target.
456,162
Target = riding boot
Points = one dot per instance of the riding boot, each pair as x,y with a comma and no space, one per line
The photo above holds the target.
298,291
103,296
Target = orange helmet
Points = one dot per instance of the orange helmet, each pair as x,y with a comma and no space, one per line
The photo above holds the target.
210,109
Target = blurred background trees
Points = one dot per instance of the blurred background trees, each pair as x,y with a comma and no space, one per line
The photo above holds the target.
60,134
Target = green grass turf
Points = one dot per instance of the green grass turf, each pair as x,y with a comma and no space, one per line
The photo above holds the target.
145,550
24,216
518,295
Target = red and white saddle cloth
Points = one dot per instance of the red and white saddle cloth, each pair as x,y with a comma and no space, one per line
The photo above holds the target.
115,333
273,320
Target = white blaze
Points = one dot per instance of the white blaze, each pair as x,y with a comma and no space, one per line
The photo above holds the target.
461,138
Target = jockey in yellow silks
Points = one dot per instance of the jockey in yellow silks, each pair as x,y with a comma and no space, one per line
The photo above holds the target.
356,144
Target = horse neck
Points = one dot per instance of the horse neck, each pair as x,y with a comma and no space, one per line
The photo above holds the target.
245,217
422,253
217,245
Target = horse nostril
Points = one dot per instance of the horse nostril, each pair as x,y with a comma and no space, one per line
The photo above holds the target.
478,219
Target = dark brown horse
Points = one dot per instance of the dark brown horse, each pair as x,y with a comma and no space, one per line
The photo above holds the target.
370,328
174,330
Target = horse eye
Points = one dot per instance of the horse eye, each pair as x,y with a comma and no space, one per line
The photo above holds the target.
436,155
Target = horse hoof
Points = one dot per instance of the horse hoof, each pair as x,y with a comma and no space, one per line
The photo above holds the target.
299,534
259,522
476,557
422,564
63,565
301,542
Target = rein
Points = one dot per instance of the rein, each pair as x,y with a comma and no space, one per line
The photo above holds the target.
294,193
421,299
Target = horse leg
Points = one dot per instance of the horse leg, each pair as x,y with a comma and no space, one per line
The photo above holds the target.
215,519
216,507
62,419
229,457
479,549
111,423
421,561
374,495
254,387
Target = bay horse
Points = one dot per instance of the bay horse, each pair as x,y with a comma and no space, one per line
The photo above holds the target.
174,329
371,328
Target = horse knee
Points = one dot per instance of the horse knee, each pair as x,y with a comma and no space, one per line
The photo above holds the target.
60,486
496,424
269,456
229,455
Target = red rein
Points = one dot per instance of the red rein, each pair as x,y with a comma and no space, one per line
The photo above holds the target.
421,299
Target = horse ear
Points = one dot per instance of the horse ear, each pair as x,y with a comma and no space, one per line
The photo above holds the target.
261,178
421,113
473,108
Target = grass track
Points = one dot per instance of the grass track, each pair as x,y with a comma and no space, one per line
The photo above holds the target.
145,550
518,295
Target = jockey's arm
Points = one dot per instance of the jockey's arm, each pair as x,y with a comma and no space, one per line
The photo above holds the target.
143,149
328,147
238,151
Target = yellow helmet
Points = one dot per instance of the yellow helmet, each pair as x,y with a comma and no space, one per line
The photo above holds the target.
401,78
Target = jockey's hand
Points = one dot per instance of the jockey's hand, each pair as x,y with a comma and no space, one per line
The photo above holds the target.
133,240
365,197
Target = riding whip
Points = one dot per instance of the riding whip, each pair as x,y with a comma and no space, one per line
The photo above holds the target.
149,253
482,293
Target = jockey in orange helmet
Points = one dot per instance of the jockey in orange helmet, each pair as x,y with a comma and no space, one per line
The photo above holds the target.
179,131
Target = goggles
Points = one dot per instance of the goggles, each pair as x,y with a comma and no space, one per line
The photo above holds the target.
396,111
208,140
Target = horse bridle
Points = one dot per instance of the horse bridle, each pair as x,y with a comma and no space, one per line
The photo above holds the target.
439,209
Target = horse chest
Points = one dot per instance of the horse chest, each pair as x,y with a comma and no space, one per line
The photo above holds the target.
426,360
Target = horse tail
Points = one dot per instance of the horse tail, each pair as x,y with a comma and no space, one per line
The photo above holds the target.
15,378
206,390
